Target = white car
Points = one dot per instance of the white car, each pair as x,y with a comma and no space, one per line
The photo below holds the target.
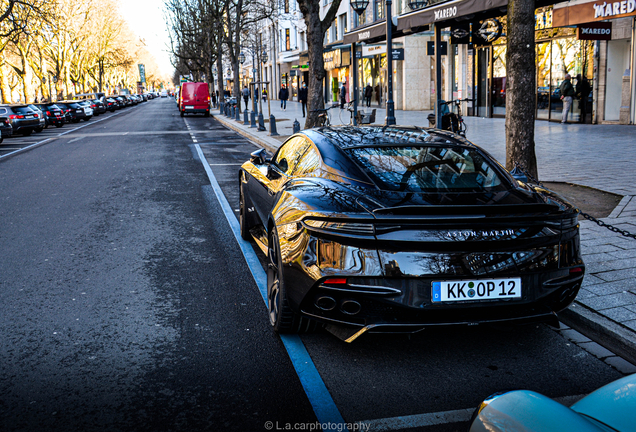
164,93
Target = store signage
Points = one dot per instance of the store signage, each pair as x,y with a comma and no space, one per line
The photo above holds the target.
371,50
364,35
445,13
592,11
611,9
397,54
594,31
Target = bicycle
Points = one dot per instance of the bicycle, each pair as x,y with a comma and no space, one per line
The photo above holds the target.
454,122
349,108
323,116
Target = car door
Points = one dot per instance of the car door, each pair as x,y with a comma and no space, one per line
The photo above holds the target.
265,189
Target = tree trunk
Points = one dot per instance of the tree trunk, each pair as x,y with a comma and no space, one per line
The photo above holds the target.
521,86
316,29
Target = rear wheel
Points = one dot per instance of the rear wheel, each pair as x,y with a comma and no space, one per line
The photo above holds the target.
182,114
59,125
281,316
27,132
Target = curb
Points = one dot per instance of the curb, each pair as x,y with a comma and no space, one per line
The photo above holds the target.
613,336
270,144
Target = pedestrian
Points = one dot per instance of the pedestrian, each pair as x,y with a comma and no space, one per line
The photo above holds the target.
214,99
567,94
343,95
302,97
368,92
246,96
283,95
583,90
264,93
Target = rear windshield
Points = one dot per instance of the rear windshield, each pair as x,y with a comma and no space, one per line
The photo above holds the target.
22,110
427,169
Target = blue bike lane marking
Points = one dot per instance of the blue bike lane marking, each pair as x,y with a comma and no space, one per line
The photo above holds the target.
321,401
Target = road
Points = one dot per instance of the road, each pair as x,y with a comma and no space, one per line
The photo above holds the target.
129,305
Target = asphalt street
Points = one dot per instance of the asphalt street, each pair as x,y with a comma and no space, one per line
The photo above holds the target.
128,304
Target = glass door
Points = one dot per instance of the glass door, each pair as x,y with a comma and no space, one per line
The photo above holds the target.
483,82
499,80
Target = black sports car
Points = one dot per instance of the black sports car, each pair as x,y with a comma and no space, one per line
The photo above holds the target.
399,228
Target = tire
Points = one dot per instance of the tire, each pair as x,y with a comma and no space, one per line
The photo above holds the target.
245,230
59,125
182,114
76,120
27,132
1,139
39,129
282,318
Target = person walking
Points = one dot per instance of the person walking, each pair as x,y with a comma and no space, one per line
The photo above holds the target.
343,95
302,97
283,95
368,93
567,93
583,90
246,96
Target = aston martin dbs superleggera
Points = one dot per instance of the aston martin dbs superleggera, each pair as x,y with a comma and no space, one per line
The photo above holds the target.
399,228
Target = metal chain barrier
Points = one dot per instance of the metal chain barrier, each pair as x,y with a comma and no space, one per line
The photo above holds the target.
585,215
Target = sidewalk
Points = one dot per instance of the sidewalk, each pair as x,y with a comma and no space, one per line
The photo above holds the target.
597,156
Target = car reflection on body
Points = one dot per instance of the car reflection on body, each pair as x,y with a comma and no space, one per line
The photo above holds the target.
398,228
608,409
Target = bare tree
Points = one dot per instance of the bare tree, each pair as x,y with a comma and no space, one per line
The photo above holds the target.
316,29
521,86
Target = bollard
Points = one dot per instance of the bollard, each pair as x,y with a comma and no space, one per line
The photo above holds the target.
296,126
245,120
261,122
238,114
253,119
272,126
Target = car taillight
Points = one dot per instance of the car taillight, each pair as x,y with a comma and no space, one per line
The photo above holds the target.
335,281
48,113
37,115
13,116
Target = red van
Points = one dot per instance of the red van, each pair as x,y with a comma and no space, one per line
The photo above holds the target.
194,97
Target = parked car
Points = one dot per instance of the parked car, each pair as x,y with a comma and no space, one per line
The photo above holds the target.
53,115
23,119
75,112
5,128
42,124
395,229
111,104
164,93
194,98
608,409
88,109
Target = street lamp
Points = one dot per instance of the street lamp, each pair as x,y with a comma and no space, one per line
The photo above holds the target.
264,56
242,58
417,4
359,6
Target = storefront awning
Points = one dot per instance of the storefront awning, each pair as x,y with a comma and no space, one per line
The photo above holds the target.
371,33
446,11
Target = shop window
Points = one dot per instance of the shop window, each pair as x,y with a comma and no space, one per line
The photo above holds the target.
287,40
379,9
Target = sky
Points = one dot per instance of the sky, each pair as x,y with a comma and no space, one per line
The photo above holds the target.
146,18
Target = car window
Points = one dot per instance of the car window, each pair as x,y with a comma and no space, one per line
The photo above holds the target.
309,163
23,110
427,169
290,153
3,110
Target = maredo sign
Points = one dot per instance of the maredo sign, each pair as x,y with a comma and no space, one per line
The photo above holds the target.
592,11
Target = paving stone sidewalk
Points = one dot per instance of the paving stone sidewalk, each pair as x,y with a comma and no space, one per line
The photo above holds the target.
597,156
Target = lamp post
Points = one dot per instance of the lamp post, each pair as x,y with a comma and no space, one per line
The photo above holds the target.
359,6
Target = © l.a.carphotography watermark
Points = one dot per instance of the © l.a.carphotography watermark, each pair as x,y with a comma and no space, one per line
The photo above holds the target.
316,426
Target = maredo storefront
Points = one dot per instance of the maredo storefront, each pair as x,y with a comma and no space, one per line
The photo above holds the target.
609,29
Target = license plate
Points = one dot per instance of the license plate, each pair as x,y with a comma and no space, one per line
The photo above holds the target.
189,106
79,111
479,289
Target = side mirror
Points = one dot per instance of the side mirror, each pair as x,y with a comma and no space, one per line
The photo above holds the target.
259,157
